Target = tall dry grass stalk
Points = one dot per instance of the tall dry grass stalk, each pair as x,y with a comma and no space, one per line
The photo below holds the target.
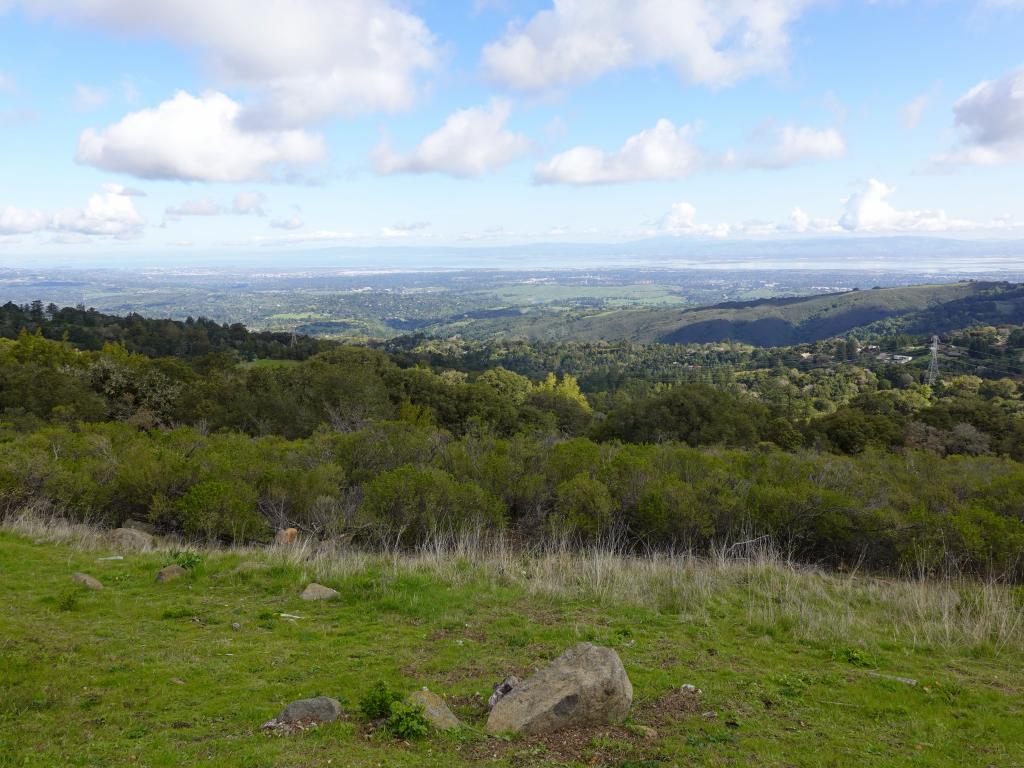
774,592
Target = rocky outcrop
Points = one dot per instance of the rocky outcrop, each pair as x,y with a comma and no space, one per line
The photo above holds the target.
86,581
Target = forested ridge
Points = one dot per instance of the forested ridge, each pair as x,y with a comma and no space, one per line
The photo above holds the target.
840,456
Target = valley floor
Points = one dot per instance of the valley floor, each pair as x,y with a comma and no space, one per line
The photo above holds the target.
796,667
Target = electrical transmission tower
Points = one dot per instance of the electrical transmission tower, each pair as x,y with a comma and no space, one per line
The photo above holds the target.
933,366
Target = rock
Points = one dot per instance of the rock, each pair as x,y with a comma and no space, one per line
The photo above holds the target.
138,525
502,689
586,685
130,539
86,580
894,678
286,536
236,626
435,710
318,592
648,733
170,573
304,713
693,690
250,565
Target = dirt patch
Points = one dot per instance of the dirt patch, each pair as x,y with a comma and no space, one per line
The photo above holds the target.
669,708
597,746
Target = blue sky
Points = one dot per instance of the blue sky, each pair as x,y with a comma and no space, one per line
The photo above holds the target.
222,126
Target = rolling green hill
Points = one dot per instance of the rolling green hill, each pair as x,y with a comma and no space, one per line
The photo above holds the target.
783,321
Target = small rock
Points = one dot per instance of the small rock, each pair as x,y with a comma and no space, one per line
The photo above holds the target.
138,525
709,715
130,539
647,732
250,565
170,573
286,536
692,689
236,626
318,592
502,689
304,713
895,678
86,580
435,710
586,685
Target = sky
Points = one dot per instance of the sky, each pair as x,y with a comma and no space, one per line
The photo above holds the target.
231,126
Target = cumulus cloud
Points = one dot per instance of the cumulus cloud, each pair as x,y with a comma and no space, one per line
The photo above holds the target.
305,59
868,210
794,145
197,139
19,221
471,143
990,119
681,219
661,152
704,41
108,213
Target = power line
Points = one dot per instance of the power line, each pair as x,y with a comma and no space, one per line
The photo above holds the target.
933,365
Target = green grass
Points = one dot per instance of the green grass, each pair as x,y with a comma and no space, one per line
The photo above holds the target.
153,674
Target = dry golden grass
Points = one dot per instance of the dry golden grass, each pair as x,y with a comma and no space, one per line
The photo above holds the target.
954,611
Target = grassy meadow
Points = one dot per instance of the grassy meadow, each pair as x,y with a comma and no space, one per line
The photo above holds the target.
796,667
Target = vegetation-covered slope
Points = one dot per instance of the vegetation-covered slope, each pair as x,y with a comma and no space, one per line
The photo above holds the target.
795,668
779,322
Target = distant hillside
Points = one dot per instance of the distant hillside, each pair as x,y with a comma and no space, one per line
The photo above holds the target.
780,322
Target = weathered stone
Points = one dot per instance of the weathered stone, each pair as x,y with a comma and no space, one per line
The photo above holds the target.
435,710
586,685
304,713
647,732
502,689
286,536
170,573
318,592
86,580
321,709
139,525
130,539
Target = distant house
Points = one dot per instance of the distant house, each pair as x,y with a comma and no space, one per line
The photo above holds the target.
888,357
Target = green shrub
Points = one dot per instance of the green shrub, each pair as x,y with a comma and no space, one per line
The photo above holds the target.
408,721
219,510
378,701
583,508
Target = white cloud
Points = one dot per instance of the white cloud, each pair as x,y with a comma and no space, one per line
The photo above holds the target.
793,145
249,204
203,206
305,59
88,97
292,222
108,213
197,139
19,221
661,152
990,118
471,143
704,41
868,210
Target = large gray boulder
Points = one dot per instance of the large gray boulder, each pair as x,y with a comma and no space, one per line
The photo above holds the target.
586,685
130,539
